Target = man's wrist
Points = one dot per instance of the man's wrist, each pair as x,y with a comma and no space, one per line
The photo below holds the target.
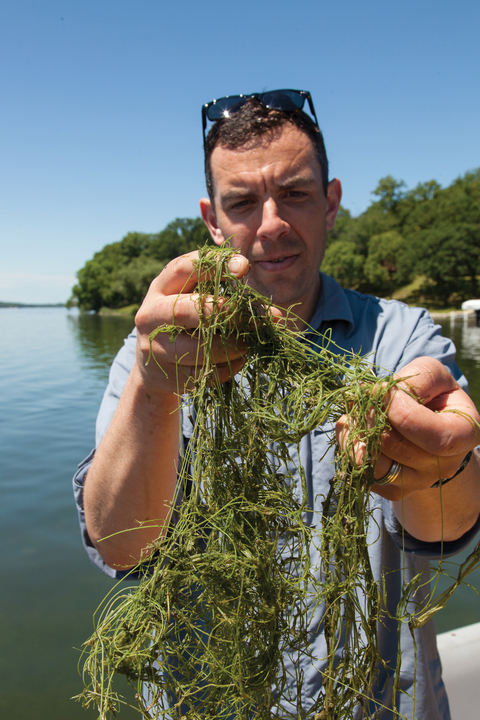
153,395
444,481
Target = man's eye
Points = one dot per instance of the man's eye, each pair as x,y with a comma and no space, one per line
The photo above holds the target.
240,204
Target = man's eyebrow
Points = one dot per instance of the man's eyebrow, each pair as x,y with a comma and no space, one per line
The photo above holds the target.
235,194
287,184
295,181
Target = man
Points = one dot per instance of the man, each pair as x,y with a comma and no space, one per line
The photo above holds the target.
269,194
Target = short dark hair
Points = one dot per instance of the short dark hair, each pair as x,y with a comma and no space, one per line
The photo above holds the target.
251,122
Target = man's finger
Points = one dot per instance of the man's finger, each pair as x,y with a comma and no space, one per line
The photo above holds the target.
180,276
446,423
219,373
187,351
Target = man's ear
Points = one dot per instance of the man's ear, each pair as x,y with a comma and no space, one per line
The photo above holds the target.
334,197
208,217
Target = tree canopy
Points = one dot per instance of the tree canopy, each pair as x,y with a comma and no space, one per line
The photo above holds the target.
120,274
429,233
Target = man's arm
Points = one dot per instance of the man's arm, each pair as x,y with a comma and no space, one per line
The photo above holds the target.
132,480
433,515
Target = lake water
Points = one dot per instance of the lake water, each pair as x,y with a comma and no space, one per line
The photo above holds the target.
53,370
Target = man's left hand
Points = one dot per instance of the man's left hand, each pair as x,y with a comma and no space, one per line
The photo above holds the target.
434,426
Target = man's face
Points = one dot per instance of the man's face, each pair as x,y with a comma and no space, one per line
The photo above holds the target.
270,205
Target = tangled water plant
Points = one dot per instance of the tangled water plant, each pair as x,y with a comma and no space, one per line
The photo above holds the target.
229,589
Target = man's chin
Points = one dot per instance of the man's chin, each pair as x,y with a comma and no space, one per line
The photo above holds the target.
292,293
280,293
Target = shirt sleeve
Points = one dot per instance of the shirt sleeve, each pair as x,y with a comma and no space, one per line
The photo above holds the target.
427,340
92,552
119,372
117,379
432,550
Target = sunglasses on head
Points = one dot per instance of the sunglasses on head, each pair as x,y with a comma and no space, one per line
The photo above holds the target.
286,100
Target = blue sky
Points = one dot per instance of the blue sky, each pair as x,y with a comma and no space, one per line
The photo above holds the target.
100,109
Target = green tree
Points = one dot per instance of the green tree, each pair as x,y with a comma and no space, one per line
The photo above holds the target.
359,230
446,235
133,280
343,220
94,289
389,263
440,231
119,275
344,263
390,193
181,236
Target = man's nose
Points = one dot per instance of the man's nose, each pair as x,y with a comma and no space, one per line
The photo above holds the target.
273,226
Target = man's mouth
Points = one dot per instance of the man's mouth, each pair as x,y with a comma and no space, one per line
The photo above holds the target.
283,262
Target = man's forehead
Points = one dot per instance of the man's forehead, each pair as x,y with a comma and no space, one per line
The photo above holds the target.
272,139
288,155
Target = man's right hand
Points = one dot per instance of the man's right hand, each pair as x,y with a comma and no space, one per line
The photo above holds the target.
133,478
171,301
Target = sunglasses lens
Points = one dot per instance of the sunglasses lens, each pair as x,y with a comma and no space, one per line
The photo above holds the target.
287,100
225,107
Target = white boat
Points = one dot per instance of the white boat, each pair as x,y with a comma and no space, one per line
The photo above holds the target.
460,655
471,305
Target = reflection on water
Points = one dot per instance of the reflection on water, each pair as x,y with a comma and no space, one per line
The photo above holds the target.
53,369
470,339
99,338
466,335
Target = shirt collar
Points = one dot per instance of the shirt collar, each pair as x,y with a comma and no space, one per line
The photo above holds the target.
332,304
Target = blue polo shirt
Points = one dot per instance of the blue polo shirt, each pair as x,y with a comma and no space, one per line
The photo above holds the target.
391,334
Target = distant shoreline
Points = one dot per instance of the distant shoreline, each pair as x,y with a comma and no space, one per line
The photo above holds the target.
131,310
29,305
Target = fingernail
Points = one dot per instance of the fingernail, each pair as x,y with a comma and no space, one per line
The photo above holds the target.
235,263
